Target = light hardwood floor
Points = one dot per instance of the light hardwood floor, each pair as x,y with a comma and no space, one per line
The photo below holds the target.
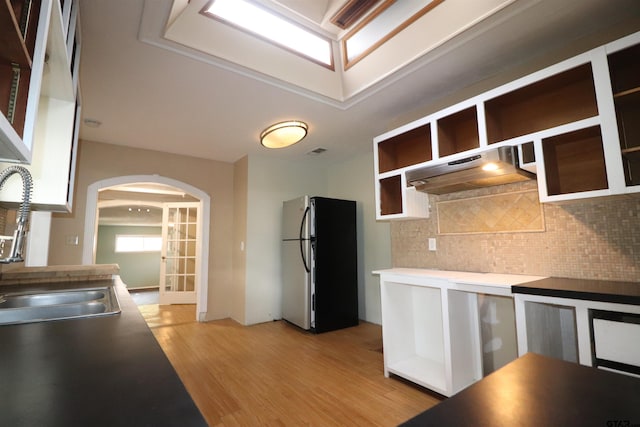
274,374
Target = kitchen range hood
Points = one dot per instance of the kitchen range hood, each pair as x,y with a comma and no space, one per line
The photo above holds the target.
493,167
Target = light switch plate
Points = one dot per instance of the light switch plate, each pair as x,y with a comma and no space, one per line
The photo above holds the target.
432,244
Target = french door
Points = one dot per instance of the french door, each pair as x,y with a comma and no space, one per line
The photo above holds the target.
179,266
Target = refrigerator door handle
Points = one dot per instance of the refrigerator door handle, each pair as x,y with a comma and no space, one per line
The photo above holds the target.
302,240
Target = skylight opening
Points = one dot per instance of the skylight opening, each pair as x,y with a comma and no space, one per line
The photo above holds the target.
272,27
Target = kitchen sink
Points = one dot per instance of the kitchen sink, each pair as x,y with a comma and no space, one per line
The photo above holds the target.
52,298
59,304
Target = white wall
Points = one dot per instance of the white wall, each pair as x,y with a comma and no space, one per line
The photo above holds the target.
270,182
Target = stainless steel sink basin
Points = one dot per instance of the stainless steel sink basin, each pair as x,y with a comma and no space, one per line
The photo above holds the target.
39,306
52,298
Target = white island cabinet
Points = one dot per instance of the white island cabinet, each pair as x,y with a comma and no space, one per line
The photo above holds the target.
444,330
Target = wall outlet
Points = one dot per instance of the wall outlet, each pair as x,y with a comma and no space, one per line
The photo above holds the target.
432,244
71,240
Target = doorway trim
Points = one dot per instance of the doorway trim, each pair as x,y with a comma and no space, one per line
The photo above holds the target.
202,248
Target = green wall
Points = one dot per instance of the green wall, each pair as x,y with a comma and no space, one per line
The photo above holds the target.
137,270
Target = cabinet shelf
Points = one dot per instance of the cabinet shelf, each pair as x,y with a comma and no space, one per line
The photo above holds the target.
528,154
406,149
632,154
574,162
627,93
391,195
16,59
416,369
557,100
624,67
458,132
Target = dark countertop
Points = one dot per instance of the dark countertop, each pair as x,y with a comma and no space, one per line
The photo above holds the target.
102,371
536,391
594,290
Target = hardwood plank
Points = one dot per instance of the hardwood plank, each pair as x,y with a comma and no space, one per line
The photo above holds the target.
274,374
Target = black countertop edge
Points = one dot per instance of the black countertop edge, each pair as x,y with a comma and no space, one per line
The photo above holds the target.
536,390
582,289
102,371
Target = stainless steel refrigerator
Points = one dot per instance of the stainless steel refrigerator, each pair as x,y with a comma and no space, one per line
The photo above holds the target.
319,263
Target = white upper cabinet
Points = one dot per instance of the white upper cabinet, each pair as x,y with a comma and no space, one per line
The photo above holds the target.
55,129
23,28
576,124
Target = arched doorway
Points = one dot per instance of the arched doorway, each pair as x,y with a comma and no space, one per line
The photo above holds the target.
202,250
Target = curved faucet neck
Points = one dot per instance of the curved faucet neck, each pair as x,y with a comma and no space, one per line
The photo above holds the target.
19,235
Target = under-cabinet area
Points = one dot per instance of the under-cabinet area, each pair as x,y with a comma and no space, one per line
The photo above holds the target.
446,330
575,124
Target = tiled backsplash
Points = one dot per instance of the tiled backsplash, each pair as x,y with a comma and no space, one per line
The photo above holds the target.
597,238
517,211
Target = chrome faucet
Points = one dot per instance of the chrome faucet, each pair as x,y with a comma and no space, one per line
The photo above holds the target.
23,212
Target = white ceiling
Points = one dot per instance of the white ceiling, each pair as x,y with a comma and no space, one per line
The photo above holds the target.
150,97
137,204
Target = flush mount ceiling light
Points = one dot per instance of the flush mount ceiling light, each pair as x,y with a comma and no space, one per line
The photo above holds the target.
283,134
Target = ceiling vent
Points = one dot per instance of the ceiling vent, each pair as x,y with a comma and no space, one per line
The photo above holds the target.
317,151
351,12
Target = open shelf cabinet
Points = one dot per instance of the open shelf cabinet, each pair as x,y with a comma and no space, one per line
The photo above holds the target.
563,98
413,334
405,149
576,125
395,152
624,67
574,162
18,34
391,195
440,330
458,132
55,125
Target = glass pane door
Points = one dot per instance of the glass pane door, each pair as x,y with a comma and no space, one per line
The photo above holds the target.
179,263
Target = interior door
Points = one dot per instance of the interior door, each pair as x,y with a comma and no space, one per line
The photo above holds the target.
179,266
